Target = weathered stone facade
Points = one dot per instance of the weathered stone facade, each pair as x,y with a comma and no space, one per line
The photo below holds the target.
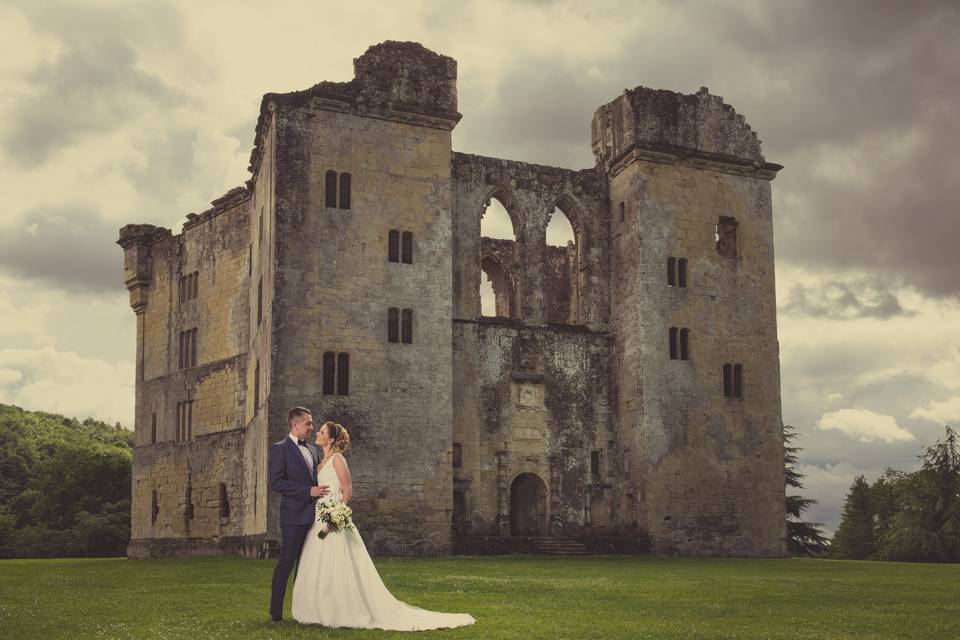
574,413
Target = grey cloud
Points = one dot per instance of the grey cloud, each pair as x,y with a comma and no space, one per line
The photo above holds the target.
71,248
872,83
92,85
861,298
170,162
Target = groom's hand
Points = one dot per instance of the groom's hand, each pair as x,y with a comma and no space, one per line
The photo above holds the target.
319,492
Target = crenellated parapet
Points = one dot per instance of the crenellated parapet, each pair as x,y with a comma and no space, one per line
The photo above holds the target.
137,241
666,126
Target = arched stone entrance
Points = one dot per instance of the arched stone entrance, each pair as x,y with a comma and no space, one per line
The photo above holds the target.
528,506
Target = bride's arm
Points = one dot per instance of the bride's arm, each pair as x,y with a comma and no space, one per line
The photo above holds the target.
343,473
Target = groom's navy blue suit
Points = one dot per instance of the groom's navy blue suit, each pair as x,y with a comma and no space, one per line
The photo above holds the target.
291,477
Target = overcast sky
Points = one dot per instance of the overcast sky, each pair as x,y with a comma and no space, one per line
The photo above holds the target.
118,112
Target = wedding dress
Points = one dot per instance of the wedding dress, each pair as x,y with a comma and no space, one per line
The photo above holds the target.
337,584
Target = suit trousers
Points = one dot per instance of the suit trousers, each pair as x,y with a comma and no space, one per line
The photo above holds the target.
291,544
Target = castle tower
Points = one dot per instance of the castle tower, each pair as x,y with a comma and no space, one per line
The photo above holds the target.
356,265
695,366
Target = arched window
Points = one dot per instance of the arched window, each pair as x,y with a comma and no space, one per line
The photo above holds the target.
393,246
408,247
684,344
671,267
330,189
344,190
393,324
673,343
343,374
727,380
329,371
407,328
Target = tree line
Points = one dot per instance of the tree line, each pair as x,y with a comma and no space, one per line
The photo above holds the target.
64,485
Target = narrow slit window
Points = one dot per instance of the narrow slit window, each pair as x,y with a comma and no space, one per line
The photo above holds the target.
623,213
259,301
738,381
673,343
407,247
153,429
457,455
671,268
330,190
329,372
407,326
224,501
343,374
177,437
154,508
682,272
727,380
344,190
256,388
595,463
393,324
194,290
190,421
393,246
188,503
684,344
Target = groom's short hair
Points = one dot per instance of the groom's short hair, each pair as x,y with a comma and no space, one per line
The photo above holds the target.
297,413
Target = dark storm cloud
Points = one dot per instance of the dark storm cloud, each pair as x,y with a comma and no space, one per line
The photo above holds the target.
862,298
92,84
71,248
855,98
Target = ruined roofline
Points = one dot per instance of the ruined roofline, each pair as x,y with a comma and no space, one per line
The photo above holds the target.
150,234
699,125
394,80
521,164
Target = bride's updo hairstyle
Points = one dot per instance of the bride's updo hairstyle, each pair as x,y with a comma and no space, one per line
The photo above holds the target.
339,436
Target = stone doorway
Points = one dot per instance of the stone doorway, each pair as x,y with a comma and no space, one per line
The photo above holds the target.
528,506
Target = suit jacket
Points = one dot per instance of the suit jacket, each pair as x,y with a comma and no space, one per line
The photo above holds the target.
292,477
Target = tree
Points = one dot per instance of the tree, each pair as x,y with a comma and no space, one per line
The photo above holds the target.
803,538
926,526
855,537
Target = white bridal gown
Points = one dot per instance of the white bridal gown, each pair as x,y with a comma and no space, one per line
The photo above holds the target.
338,586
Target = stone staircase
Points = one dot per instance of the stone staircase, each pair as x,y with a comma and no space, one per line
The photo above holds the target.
560,547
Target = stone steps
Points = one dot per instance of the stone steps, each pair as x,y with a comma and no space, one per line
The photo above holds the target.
560,547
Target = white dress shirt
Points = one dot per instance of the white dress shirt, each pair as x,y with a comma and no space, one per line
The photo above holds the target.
307,456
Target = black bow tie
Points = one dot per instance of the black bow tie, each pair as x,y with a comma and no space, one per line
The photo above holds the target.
302,443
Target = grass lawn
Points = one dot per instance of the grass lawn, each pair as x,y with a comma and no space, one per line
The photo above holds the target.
511,597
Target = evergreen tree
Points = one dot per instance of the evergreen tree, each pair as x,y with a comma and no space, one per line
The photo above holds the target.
855,538
803,538
926,526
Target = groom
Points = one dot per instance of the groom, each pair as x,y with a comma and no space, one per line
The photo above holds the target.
292,470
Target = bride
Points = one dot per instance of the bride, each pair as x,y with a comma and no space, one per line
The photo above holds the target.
337,584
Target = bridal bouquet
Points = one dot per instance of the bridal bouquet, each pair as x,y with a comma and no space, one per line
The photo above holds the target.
333,516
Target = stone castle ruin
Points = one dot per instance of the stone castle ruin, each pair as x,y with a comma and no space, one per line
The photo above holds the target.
626,395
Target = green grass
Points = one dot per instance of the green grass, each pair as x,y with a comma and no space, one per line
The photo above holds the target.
605,597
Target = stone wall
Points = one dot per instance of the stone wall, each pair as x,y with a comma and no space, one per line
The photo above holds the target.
564,416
